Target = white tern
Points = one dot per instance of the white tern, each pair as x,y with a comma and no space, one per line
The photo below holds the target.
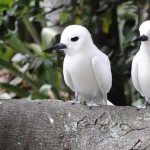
86,69
140,71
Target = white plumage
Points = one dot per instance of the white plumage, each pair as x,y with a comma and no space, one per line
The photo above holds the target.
140,71
86,69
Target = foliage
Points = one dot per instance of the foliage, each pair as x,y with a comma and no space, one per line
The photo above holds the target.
21,51
23,37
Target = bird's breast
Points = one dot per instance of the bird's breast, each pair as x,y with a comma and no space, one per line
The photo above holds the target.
82,75
144,74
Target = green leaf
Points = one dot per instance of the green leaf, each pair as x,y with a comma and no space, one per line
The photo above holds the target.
77,20
106,23
16,72
8,54
57,79
5,4
15,89
18,45
38,95
36,48
31,29
64,16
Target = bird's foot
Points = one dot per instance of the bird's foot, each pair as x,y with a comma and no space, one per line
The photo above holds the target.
144,106
141,107
75,101
90,105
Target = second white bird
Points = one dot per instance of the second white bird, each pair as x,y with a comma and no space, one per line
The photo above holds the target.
141,64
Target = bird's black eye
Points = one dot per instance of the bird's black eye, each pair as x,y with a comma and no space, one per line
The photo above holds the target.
74,39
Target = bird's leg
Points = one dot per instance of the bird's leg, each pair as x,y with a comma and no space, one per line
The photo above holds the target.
143,106
92,103
76,100
148,102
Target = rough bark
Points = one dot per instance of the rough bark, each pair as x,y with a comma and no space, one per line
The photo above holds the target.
58,125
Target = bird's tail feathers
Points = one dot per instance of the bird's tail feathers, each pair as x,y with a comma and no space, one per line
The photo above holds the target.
109,103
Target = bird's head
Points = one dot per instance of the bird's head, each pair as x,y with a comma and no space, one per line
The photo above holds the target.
74,38
144,32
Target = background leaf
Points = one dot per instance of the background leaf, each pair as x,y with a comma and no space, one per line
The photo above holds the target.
5,4
15,89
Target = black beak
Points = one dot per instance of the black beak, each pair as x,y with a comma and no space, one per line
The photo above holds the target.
57,46
141,38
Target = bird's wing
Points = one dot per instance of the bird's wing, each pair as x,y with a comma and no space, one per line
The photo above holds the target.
134,75
102,71
67,78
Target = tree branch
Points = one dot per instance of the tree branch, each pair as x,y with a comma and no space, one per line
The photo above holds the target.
56,125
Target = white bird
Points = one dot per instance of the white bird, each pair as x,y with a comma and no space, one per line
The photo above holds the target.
140,71
86,69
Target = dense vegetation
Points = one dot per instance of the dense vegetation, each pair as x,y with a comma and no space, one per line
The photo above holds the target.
25,30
